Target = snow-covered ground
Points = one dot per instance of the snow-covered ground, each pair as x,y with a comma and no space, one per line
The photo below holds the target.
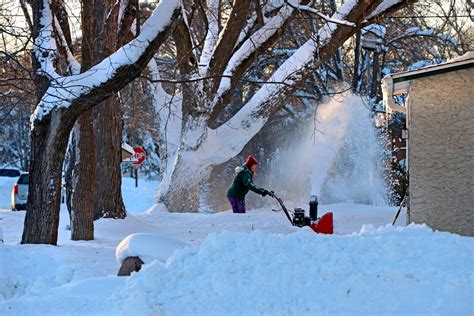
247,264
138,199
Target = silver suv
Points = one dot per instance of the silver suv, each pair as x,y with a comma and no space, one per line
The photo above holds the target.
20,192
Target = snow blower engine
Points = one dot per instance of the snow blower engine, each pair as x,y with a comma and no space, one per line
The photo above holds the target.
322,225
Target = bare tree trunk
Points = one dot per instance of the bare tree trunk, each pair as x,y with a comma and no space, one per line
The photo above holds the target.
68,172
108,123
101,140
83,179
375,75
80,173
108,126
48,144
183,192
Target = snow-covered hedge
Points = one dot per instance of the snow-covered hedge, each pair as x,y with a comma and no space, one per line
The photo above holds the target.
147,246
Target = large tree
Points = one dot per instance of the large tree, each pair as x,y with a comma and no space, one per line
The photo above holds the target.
194,136
93,174
66,97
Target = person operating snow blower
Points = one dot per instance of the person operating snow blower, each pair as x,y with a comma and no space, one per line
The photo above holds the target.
242,183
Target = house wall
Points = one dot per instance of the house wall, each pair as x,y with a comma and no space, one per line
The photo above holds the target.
441,151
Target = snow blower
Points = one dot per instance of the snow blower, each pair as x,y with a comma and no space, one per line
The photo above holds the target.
322,225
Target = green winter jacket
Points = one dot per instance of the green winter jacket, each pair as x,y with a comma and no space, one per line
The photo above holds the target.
242,183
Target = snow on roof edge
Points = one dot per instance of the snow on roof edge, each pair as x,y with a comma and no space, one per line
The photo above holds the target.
467,58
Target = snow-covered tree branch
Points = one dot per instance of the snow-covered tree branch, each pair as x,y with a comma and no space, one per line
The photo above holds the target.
213,46
67,97
206,140
81,91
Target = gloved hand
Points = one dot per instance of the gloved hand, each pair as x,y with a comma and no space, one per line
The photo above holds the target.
266,192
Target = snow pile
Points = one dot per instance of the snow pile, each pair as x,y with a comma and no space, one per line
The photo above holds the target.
26,271
389,270
148,247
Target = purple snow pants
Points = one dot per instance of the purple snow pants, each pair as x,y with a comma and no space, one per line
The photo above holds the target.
237,205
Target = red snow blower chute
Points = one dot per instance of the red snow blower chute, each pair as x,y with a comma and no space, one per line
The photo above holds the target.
322,225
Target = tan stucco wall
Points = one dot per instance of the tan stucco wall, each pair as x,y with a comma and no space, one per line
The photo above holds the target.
441,151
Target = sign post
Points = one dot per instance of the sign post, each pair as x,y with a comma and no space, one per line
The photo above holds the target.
137,159
136,175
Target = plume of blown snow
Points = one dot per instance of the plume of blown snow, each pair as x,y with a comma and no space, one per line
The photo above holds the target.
336,155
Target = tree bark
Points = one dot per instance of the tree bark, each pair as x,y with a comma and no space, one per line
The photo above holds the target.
48,144
108,123
80,175
183,193
108,126
83,177
375,75
130,265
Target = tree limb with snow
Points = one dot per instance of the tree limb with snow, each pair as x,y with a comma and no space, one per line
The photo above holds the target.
66,97
195,136
201,139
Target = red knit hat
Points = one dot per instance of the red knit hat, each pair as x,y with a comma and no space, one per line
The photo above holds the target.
251,161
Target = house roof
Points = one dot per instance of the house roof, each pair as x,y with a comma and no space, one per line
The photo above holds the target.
399,83
462,62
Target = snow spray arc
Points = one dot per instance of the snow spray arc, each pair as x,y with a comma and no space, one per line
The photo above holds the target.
337,157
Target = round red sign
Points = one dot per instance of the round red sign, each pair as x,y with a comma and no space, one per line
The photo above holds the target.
139,157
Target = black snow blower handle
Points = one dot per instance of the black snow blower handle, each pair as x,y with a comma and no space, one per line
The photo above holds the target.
283,207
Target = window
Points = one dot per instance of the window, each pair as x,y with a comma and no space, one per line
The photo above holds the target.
24,179
12,173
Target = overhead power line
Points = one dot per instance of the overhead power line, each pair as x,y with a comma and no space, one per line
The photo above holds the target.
386,17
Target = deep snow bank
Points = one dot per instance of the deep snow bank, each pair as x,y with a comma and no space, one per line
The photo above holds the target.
394,270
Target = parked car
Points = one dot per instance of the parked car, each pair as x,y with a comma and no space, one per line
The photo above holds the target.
8,177
20,192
